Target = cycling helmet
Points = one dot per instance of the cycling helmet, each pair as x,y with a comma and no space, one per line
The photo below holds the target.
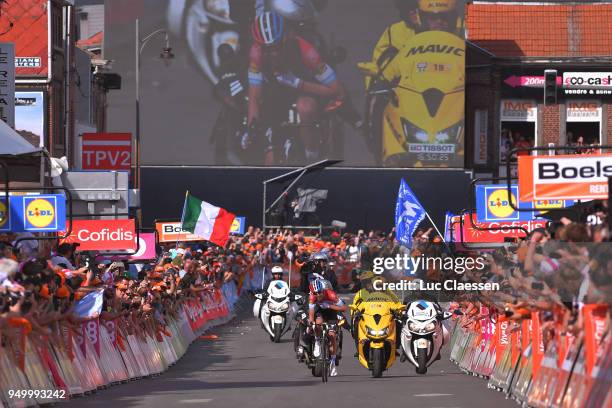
317,286
437,6
294,10
276,269
267,28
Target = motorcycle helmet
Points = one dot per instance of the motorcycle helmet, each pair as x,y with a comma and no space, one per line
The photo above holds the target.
294,10
277,272
438,15
437,6
268,28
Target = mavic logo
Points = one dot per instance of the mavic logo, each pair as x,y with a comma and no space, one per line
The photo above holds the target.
436,49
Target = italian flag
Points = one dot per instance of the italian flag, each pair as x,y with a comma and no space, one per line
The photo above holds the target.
207,221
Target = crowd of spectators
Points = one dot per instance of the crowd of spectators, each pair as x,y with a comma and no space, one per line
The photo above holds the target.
553,271
41,282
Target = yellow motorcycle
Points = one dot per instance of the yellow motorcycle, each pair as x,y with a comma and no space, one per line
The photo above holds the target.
376,333
415,106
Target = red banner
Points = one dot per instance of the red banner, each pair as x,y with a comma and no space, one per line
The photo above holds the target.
103,235
478,232
594,330
210,306
107,151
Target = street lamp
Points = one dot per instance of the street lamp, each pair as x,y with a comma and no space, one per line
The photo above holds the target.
166,55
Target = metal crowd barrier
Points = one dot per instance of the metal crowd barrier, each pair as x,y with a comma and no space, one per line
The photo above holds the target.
104,354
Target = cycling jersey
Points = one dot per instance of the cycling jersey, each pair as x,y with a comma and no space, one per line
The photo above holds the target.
330,298
307,64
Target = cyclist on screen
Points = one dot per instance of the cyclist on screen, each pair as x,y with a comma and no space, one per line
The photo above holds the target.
284,69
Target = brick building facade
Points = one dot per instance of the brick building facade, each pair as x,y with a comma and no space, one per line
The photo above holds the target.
509,48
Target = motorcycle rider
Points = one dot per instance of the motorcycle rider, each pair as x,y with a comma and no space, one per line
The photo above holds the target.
277,274
368,293
324,306
291,70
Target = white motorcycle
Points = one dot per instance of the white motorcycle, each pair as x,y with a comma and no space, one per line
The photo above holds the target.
278,309
423,334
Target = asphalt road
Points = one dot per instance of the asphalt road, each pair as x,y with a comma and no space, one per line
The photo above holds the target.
244,369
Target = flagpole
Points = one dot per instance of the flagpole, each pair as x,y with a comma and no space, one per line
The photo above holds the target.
182,218
434,225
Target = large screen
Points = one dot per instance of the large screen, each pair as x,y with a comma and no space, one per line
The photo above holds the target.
376,83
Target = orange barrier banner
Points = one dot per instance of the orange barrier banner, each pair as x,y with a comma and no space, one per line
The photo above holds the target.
537,342
594,330
564,177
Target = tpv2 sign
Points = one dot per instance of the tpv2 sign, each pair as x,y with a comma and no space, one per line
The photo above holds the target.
107,151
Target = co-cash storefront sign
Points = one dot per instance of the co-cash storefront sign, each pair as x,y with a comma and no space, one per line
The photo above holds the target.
33,213
587,84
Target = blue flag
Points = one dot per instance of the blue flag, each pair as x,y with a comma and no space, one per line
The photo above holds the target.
90,304
408,214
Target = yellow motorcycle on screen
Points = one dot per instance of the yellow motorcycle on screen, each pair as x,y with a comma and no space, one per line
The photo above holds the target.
420,97
376,333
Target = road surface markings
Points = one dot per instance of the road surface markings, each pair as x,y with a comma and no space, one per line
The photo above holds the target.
196,401
432,395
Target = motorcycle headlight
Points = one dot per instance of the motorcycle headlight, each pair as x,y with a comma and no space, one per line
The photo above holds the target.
412,132
373,332
275,307
450,134
413,326
430,327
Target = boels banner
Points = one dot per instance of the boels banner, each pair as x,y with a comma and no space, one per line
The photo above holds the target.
493,204
33,213
477,232
171,231
577,177
103,235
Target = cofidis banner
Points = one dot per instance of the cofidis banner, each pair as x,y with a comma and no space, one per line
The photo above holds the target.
493,204
33,213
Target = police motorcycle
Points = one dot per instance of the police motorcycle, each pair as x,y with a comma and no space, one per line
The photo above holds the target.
423,334
276,307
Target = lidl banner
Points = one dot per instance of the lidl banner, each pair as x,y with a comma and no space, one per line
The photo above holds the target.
562,177
493,204
33,213
238,226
